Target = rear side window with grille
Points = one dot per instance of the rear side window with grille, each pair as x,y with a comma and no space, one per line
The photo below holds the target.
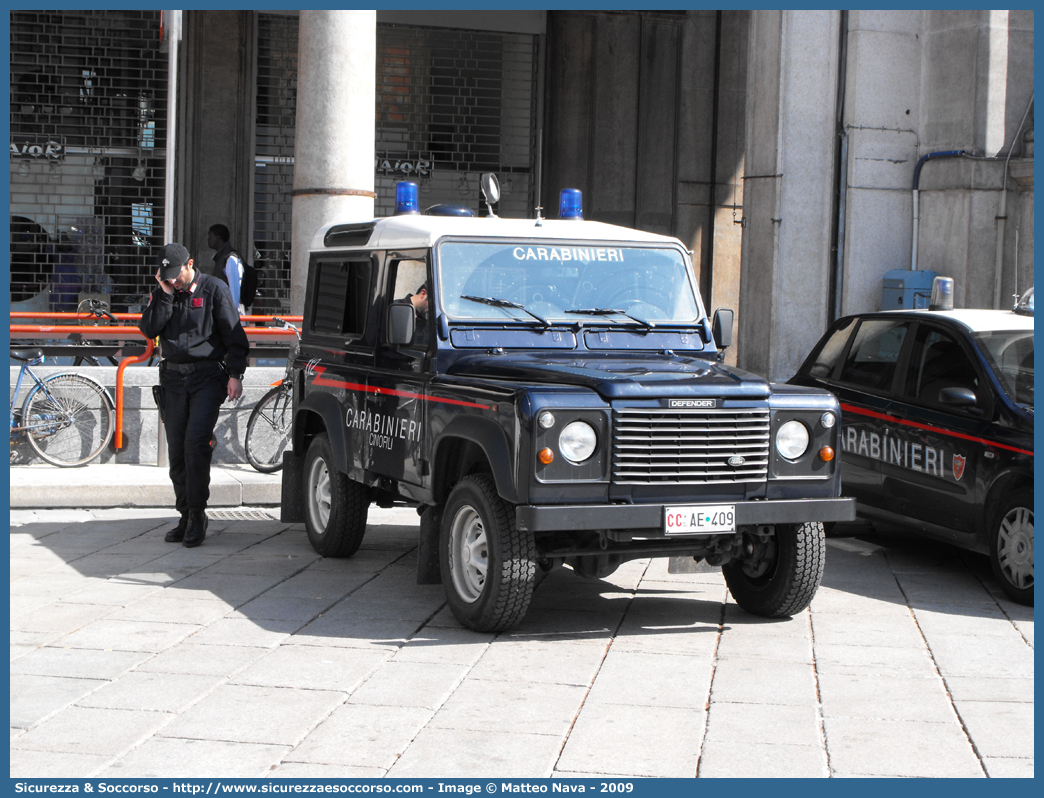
342,297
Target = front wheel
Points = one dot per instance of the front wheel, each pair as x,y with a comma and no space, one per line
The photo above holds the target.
335,506
268,430
1011,546
488,565
779,569
68,419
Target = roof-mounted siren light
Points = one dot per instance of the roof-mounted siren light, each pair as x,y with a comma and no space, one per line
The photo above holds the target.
490,190
406,194
570,204
942,294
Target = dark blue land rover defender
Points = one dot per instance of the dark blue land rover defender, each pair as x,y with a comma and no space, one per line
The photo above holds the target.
548,392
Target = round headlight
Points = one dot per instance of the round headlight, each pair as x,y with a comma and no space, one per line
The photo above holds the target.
577,441
792,440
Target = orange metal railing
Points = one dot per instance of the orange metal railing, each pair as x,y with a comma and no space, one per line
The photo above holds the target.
126,332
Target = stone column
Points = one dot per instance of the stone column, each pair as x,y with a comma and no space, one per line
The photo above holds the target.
334,150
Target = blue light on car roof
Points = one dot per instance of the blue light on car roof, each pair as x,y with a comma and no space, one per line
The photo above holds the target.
570,204
406,198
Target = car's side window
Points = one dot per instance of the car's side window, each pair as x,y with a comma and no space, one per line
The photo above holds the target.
874,353
938,362
409,283
830,352
342,297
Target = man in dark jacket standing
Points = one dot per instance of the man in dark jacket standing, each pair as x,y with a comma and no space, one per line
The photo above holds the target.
204,352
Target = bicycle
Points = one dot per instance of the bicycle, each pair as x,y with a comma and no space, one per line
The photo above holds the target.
271,420
67,418
99,310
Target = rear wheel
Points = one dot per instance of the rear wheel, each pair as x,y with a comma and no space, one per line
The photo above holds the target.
335,506
69,420
488,565
779,569
1011,546
268,430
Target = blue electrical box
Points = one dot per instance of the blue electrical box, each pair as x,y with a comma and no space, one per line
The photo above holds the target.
907,290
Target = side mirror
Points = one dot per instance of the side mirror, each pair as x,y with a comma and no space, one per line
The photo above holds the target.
706,332
722,327
401,320
958,397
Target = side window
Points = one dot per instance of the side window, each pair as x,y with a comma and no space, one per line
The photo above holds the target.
938,362
875,351
827,357
410,284
342,297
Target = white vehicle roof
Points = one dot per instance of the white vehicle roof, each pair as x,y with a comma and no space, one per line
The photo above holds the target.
977,320
415,231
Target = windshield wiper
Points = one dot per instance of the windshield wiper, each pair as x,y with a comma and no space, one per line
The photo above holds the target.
503,303
611,312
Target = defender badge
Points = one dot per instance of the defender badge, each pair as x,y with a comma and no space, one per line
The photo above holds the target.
958,467
694,403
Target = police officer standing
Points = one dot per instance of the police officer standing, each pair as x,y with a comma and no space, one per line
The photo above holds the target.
204,352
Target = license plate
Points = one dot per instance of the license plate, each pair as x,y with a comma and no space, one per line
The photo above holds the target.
704,519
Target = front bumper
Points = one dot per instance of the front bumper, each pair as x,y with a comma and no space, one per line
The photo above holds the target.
554,518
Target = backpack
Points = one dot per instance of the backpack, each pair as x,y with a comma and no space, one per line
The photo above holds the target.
249,283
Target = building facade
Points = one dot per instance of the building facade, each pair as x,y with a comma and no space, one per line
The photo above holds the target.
780,147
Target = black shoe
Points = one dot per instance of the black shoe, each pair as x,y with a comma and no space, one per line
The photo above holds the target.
177,534
196,530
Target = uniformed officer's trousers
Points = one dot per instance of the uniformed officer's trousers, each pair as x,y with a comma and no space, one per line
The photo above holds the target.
190,410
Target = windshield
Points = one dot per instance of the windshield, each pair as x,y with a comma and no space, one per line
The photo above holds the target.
543,283
1011,355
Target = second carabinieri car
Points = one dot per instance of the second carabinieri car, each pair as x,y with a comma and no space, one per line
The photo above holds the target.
938,424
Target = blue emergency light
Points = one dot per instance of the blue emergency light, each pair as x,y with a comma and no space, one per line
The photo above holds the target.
406,194
570,204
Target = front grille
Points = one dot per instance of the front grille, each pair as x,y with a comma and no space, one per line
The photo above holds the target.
654,446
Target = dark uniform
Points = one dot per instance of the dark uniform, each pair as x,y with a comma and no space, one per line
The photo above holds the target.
203,345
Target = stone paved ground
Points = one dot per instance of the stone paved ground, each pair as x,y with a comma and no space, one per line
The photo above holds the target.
251,656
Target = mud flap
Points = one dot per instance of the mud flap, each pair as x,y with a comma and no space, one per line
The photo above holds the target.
428,570
291,504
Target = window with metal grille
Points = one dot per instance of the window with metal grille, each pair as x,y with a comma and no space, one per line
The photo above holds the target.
88,150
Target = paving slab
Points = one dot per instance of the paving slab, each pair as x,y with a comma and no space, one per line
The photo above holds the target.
247,714
967,655
312,770
313,667
410,684
446,646
522,707
111,731
159,692
634,740
763,723
452,753
540,661
860,659
890,696
34,698
750,681
899,748
1008,768
27,764
153,636
652,680
360,735
202,660
246,632
78,663
982,688
172,757
999,729
720,759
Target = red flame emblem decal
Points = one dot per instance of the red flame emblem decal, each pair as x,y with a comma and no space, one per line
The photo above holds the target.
958,466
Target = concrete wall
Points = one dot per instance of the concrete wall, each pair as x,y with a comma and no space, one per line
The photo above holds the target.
791,141
140,417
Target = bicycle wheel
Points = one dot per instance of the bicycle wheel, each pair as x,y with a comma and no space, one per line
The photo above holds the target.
69,419
268,430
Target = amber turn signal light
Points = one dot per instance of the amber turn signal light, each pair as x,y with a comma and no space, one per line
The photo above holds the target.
545,456
826,454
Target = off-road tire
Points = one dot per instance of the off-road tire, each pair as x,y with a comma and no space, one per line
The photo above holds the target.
1011,545
502,598
790,582
331,496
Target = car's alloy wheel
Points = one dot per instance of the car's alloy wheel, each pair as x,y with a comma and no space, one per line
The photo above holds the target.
1011,546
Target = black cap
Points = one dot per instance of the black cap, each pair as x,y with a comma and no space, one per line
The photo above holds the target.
171,258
